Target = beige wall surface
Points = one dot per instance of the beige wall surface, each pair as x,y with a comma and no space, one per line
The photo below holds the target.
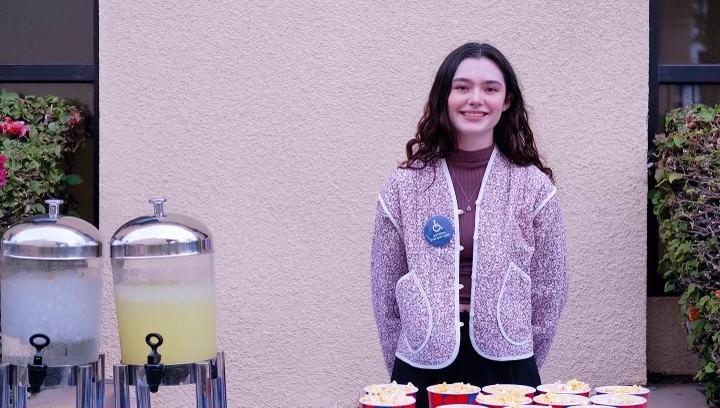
276,123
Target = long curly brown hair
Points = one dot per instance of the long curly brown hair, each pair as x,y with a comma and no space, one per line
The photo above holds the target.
436,137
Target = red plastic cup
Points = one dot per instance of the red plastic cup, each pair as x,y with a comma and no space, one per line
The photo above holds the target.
585,406
534,406
562,388
620,400
405,402
624,389
409,390
502,400
437,398
509,388
561,400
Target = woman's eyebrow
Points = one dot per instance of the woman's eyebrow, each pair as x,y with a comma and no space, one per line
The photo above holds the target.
488,82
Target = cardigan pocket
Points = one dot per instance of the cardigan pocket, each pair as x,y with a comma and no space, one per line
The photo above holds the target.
415,312
514,307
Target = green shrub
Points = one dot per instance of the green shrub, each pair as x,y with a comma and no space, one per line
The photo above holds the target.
38,136
686,201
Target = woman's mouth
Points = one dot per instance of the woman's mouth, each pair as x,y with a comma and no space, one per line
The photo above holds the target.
473,115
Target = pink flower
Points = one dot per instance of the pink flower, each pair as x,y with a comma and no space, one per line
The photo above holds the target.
75,118
18,128
15,128
3,159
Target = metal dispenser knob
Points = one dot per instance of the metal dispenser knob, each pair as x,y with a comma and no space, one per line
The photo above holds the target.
157,203
53,208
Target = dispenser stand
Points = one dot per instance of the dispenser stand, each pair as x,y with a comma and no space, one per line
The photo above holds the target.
88,380
208,377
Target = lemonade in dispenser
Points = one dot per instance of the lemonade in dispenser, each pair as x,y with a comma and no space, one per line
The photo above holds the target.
164,284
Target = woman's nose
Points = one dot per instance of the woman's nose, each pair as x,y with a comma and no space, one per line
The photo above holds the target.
475,97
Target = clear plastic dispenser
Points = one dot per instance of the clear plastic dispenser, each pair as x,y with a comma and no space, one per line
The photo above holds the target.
51,291
164,286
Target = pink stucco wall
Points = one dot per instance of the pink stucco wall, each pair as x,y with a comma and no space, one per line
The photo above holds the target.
276,122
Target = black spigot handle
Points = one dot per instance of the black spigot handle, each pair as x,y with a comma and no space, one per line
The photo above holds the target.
154,340
37,371
153,369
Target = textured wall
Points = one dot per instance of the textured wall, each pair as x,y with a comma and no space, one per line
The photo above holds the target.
276,123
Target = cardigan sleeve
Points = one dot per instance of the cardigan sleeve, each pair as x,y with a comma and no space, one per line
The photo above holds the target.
387,264
549,274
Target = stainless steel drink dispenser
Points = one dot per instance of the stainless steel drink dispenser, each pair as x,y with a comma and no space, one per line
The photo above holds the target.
164,285
51,282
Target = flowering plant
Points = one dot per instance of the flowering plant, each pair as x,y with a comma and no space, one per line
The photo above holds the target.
38,136
686,201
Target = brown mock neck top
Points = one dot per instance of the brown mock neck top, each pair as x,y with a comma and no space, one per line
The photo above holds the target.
467,169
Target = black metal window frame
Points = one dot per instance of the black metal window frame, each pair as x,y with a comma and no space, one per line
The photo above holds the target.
81,73
48,73
665,74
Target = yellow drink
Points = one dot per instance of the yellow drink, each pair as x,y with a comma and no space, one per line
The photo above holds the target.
184,314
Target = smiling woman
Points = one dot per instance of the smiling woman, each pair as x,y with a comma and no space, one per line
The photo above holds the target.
468,263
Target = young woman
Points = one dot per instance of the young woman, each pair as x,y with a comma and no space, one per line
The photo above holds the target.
468,268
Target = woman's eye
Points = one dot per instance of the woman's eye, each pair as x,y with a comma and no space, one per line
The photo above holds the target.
492,90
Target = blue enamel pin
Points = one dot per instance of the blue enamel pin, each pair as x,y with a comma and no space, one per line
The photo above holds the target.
438,231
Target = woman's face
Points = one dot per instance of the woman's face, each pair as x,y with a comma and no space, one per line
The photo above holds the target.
476,101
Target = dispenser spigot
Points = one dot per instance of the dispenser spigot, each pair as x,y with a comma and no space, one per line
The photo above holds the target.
153,369
37,371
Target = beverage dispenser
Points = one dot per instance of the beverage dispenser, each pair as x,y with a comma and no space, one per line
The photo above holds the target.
51,291
164,287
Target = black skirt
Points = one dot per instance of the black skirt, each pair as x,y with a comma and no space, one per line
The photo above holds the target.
468,367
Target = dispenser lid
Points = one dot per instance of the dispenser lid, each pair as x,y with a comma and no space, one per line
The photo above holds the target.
52,237
160,235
